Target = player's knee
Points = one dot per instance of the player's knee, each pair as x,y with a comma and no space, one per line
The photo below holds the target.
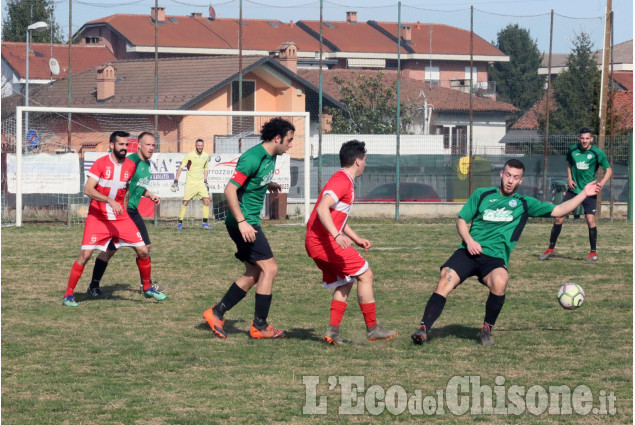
143,252
365,278
270,269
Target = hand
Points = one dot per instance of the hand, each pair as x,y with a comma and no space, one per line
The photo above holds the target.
592,188
116,207
247,231
363,243
154,198
274,187
175,186
571,183
474,248
343,241
206,185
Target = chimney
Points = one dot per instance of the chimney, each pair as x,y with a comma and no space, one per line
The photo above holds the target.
288,55
406,33
291,24
197,15
158,14
351,17
105,82
418,25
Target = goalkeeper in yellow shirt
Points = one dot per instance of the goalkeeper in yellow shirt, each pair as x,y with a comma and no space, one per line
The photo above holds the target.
196,186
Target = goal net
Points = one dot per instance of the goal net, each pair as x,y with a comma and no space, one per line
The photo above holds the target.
46,152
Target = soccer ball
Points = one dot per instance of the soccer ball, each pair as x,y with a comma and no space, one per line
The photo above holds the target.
570,296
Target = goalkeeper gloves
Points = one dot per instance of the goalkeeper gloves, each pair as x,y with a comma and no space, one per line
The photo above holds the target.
206,185
175,186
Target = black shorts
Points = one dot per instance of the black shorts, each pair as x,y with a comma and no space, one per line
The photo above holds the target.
589,204
466,265
251,251
141,226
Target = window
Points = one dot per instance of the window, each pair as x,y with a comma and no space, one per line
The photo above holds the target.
474,75
433,75
244,124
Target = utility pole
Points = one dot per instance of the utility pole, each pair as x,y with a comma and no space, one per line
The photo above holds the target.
604,90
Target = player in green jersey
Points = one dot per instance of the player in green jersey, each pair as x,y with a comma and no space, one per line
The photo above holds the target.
245,194
584,161
498,216
137,189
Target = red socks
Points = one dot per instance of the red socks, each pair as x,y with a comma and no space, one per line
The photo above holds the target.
368,310
337,312
144,270
76,273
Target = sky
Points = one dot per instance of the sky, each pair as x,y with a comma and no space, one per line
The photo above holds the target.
571,17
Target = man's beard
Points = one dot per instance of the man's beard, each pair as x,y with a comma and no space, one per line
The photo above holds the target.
121,154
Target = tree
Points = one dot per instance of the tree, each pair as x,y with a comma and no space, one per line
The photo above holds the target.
577,90
20,14
517,81
371,106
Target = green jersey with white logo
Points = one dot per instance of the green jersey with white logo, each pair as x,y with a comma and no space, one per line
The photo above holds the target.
584,164
498,221
254,172
140,180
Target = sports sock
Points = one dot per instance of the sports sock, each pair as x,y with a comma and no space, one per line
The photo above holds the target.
182,213
555,232
232,297
493,307
593,238
338,308
263,302
98,272
76,273
205,213
145,270
433,310
368,310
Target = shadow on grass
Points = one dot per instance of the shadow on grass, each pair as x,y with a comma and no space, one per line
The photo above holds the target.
457,331
229,327
117,291
304,334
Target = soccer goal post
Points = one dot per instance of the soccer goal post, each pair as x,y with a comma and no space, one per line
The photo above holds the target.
45,164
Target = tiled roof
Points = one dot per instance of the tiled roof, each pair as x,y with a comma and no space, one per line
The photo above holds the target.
622,53
529,120
412,91
182,82
441,39
623,104
84,57
202,33
624,79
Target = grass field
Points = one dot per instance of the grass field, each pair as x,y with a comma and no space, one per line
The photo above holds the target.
125,359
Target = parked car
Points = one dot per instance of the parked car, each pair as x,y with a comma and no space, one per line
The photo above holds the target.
408,192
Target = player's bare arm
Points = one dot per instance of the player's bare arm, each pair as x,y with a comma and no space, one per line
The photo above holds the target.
154,198
91,192
607,175
324,214
571,182
246,230
565,208
473,247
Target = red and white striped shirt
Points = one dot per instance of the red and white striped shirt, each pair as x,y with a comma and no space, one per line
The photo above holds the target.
341,187
112,181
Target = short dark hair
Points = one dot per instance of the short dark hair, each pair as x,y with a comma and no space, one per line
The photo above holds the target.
350,151
115,134
275,127
514,163
584,130
144,134
199,140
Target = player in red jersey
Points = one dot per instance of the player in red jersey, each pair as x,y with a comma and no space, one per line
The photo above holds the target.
106,184
328,242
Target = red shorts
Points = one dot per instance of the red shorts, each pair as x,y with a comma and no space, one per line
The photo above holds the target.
98,233
339,268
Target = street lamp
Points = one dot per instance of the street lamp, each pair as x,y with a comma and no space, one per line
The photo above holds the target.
38,26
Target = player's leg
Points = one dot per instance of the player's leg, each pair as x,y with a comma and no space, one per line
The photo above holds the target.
264,295
101,263
366,300
454,271
136,217
590,205
555,231
179,226
496,280
338,308
205,224
76,273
